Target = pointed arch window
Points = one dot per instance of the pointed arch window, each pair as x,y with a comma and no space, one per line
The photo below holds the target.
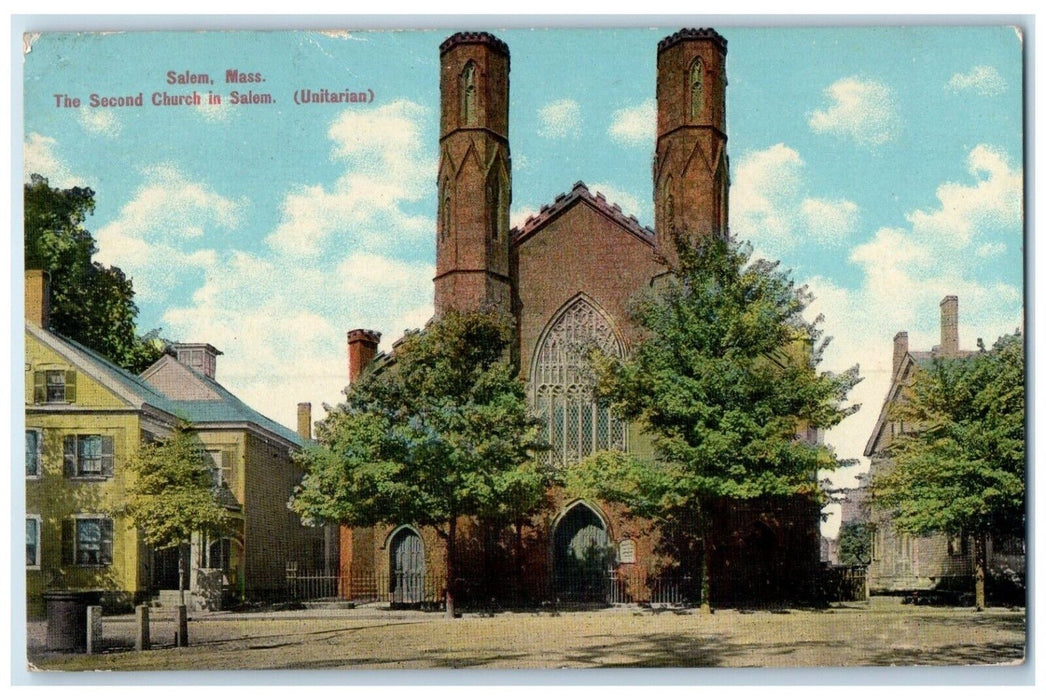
468,94
697,88
668,211
444,213
495,203
563,385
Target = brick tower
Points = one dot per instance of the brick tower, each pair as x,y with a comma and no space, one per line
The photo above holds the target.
474,178
691,173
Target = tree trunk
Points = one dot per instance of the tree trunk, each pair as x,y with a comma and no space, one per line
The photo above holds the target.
452,535
980,555
706,556
181,574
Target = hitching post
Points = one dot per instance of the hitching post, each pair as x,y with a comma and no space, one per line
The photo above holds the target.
141,618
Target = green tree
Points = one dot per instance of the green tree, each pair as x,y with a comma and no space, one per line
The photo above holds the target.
443,433
855,543
724,379
958,467
90,303
172,495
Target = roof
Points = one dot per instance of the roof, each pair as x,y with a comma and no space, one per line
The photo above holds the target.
225,407
131,388
137,392
581,193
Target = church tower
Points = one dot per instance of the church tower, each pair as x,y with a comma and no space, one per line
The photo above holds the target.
691,170
474,179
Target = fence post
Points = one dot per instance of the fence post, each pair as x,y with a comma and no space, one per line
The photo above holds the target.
94,629
141,637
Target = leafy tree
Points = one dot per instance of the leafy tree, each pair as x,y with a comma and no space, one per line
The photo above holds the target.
855,543
958,467
724,379
441,434
172,495
90,303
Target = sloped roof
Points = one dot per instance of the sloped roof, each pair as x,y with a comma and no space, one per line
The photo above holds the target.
225,408
129,387
581,193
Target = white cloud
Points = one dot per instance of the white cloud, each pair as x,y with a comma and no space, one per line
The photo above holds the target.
148,238
994,201
103,122
903,275
39,157
279,315
629,203
862,110
991,250
214,113
635,126
560,119
518,216
770,205
985,80
386,166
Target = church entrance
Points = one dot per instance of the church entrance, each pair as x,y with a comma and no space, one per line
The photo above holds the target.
761,579
406,567
581,556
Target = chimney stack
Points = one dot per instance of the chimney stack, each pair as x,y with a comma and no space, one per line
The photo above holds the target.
900,349
950,326
363,346
38,297
305,420
202,357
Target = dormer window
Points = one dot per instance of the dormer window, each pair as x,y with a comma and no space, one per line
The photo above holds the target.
468,94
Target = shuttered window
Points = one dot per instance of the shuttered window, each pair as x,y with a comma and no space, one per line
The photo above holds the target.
32,541
88,456
33,450
94,541
54,386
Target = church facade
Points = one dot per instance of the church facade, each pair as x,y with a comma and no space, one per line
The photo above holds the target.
567,275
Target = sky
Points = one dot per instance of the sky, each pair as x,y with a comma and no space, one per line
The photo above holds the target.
882,166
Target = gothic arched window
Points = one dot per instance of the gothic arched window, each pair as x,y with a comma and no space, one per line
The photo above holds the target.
468,94
697,88
668,211
562,383
495,203
444,224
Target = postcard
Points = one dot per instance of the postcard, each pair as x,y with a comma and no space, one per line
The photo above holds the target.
372,349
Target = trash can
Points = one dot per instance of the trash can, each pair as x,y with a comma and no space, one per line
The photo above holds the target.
67,619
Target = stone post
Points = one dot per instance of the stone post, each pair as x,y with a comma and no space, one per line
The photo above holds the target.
94,629
181,636
141,637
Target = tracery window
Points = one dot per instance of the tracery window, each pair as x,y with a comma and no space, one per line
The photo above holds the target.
562,382
468,94
697,88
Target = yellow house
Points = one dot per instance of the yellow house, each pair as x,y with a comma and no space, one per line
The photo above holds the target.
85,416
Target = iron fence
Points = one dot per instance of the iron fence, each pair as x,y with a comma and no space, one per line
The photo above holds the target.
404,589
841,584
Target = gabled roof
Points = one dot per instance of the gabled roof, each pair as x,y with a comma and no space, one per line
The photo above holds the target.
128,387
566,200
216,403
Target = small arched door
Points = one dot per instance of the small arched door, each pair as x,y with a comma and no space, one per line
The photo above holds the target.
406,567
581,556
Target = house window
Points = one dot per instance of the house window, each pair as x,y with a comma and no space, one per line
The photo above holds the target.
32,541
34,441
88,456
94,541
220,469
54,386
216,553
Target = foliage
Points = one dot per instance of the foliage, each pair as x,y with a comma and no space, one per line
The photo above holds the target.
442,433
90,303
959,464
172,494
855,543
724,380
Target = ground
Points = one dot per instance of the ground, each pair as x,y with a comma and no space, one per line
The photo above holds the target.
880,633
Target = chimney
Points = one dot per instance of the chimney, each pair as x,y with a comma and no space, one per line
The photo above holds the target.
201,357
363,346
900,349
305,420
38,297
950,326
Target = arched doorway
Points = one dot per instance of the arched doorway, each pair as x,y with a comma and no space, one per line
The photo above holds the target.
581,556
760,552
406,567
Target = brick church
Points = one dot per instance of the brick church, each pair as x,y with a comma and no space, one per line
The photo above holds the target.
567,275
